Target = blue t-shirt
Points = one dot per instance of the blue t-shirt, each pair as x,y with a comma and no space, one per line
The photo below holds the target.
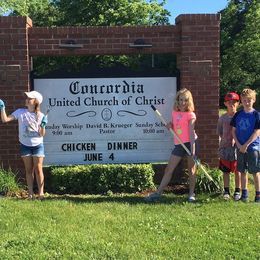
246,124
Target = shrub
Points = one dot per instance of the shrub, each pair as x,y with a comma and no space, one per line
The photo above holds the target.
96,178
8,183
203,184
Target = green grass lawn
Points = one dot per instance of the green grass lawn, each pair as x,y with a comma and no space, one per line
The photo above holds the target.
124,227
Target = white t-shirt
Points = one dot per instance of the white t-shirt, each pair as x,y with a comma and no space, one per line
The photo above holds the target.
29,126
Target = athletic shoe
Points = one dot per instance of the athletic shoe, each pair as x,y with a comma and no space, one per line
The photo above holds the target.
257,199
192,198
237,196
41,197
31,197
153,197
226,196
244,198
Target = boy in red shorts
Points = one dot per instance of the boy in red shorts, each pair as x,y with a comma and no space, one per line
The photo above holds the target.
227,149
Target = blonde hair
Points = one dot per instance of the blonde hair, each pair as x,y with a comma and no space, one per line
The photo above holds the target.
187,94
249,93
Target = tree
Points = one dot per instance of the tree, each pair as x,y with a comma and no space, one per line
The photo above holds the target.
42,12
110,12
240,46
88,12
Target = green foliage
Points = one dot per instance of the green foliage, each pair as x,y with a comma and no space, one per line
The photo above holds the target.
107,12
204,185
43,12
137,62
240,46
88,12
100,179
8,183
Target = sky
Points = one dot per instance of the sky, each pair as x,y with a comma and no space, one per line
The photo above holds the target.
177,7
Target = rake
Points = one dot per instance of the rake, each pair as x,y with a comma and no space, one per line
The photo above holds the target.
197,162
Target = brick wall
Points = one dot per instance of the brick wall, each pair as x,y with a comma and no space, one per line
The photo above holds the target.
194,38
14,80
198,62
102,40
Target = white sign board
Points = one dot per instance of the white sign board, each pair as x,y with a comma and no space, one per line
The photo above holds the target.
106,120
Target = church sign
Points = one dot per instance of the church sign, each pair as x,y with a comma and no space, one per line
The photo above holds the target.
106,120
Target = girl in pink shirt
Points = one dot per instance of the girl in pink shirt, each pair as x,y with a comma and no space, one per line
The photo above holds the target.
183,122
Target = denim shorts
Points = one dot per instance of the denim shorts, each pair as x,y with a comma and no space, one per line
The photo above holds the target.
37,151
178,150
249,161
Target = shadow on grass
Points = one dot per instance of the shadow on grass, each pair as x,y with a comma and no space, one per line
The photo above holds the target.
133,199
122,198
177,195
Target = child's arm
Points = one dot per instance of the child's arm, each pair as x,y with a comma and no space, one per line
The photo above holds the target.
220,127
192,135
42,131
219,130
4,117
235,138
252,138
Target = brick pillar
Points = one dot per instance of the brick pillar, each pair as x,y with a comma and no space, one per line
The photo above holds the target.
14,80
198,63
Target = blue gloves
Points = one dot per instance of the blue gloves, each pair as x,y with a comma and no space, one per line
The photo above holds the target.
44,121
2,105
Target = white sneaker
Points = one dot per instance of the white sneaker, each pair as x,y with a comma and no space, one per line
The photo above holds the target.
192,198
31,197
237,196
226,196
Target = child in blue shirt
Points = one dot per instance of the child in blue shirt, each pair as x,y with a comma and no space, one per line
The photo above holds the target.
246,133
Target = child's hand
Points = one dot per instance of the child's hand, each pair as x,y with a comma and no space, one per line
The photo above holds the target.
196,159
2,105
44,121
169,125
243,148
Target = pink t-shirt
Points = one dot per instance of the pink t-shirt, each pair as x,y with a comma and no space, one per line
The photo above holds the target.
180,121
